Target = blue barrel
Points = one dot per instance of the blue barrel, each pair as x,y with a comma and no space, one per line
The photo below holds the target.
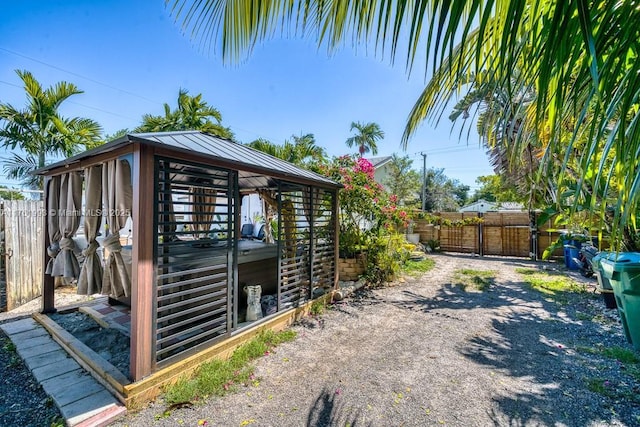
571,251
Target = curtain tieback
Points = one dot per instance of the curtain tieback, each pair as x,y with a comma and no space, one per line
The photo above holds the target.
66,243
91,249
112,243
53,250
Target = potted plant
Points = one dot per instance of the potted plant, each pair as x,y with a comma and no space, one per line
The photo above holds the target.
411,236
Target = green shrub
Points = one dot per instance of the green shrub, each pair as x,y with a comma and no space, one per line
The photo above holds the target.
386,257
318,307
433,245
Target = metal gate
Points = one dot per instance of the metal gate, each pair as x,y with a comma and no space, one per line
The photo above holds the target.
499,233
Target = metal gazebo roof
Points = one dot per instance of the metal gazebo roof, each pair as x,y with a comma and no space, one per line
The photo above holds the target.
233,154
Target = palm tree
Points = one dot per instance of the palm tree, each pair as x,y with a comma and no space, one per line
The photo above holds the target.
40,130
305,150
520,149
192,113
301,151
581,56
366,138
501,118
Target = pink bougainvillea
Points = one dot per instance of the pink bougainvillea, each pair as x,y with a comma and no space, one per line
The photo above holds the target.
364,166
365,206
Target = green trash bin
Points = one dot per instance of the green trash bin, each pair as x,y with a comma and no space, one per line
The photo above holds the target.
604,285
623,272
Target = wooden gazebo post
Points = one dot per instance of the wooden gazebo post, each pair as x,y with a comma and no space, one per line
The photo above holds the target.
335,211
142,287
48,282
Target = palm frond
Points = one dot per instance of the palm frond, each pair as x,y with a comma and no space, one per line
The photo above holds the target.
21,167
580,56
39,129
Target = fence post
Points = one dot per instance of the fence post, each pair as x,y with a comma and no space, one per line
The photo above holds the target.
3,280
533,234
480,236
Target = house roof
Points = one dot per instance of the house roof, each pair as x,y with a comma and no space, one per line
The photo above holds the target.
235,155
380,161
480,205
510,206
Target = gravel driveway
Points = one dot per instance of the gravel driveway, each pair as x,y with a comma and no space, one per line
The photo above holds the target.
427,352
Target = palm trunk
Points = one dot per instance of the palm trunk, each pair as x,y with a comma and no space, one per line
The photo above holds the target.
41,160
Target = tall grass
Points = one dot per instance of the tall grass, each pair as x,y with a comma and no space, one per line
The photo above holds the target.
418,268
219,377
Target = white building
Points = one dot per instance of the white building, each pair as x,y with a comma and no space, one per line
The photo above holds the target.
485,206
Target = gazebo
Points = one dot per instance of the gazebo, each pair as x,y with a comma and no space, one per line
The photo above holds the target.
158,219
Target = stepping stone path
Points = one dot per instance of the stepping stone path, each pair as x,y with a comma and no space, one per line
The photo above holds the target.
82,400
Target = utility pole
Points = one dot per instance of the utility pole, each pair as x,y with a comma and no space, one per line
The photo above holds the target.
424,181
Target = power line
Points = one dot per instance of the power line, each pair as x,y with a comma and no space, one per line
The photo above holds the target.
79,104
11,84
447,150
437,152
101,110
55,67
136,95
462,168
259,135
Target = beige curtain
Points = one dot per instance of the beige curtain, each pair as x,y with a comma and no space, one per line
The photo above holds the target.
53,206
165,210
203,200
270,205
66,264
117,201
90,280
288,222
311,196
117,193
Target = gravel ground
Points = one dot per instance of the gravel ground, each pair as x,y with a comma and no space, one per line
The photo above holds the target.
111,344
65,297
426,352
23,402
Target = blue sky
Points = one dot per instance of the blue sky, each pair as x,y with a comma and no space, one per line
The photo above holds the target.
129,57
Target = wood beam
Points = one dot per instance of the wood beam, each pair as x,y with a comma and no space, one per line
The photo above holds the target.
90,161
143,297
335,212
48,282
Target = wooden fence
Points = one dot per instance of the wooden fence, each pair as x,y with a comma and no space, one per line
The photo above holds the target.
499,233
22,225
21,252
